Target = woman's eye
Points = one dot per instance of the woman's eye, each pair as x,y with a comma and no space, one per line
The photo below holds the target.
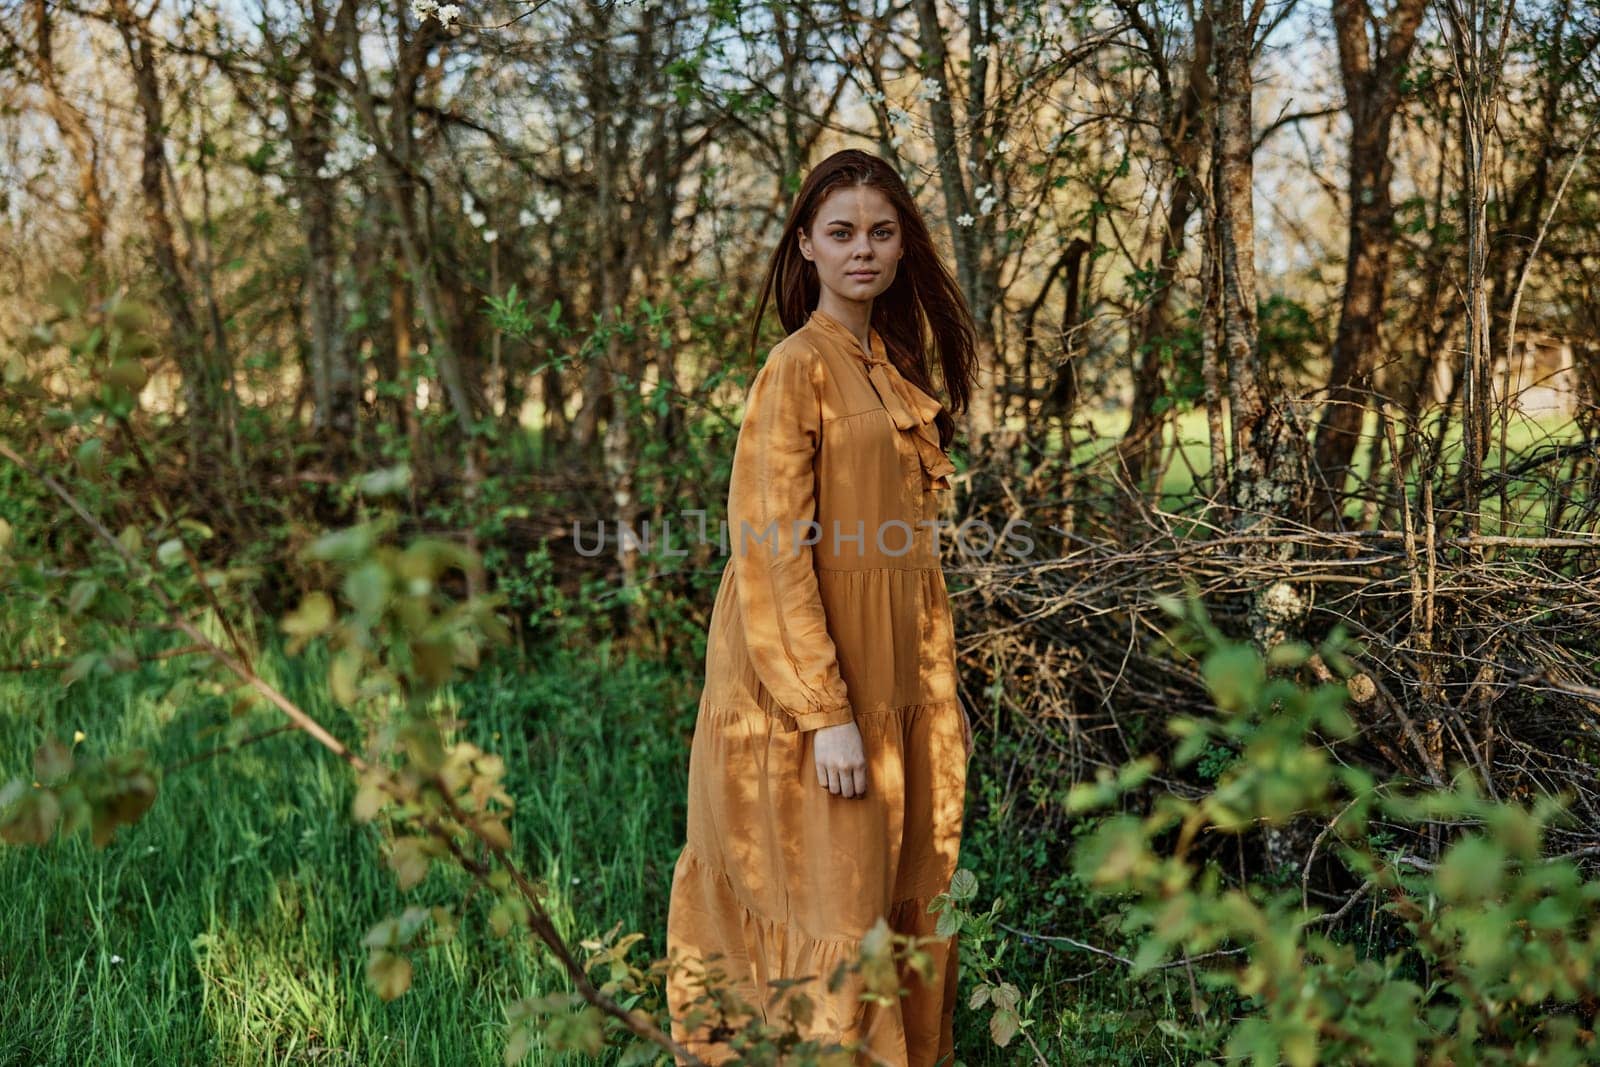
840,233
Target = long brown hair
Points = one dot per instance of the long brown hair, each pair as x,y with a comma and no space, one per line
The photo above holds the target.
923,290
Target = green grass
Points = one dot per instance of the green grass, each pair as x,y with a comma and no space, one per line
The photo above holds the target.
237,906
226,926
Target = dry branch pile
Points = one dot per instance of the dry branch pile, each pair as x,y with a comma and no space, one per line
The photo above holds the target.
1479,651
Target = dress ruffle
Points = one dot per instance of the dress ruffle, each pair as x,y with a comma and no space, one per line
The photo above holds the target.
838,1016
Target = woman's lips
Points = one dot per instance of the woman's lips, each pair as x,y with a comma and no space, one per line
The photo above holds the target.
862,274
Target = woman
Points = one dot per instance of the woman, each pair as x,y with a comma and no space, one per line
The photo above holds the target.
828,769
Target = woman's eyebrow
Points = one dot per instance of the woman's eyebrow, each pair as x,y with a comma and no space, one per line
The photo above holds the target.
880,222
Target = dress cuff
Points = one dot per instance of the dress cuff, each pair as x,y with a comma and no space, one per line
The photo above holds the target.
816,720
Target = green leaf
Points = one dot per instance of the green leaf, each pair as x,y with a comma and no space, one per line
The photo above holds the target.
344,676
368,588
1134,774
494,833
385,933
127,374
385,482
82,595
1471,870
505,916
638,1053
1003,1026
344,546
91,456
62,290
311,618
121,798
33,819
1189,748
518,1046
423,746
131,315
369,799
52,762
1235,675
80,667
408,858
1114,853
196,527
1006,996
1288,654
131,540
434,660
389,974
963,886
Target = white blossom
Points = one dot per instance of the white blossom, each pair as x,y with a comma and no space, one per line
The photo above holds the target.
526,218
964,220
930,89
981,50
477,218
491,236
448,13
116,959
422,10
987,205
873,96
897,115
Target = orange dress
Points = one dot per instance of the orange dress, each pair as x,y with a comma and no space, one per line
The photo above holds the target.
832,606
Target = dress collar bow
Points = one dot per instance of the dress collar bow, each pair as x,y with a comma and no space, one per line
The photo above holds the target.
909,407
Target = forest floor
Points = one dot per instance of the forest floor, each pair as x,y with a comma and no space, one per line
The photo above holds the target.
226,927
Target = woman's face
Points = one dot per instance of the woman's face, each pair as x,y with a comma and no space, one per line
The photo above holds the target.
855,242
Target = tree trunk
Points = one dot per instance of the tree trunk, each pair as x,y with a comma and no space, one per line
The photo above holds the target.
968,240
1268,475
201,387
73,125
1372,90
333,374
396,157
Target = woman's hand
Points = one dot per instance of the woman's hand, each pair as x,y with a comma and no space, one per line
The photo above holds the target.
841,762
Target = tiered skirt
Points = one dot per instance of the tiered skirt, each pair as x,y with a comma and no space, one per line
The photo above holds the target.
780,879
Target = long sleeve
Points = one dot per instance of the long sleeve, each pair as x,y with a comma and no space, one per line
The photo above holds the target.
771,522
